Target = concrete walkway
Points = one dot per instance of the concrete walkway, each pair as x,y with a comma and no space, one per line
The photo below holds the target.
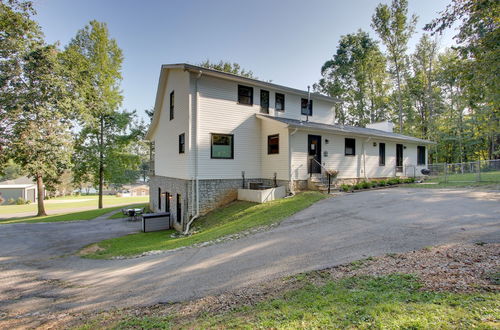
331,232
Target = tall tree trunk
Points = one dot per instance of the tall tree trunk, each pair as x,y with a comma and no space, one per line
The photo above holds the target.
101,161
40,196
400,102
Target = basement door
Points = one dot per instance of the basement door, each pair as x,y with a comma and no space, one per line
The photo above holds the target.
314,153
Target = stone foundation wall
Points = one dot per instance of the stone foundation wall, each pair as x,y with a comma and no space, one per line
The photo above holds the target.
213,194
173,186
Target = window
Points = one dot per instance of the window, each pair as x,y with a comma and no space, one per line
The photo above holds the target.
381,154
350,147
280,102
172,105
222,146
159,199
273,144
182,143
420,155
305,109
264,101
245,95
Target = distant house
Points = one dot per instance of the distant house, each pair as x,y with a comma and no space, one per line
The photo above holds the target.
135,190
215,132
19,188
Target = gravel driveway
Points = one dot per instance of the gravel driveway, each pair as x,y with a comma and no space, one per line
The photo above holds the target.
38,275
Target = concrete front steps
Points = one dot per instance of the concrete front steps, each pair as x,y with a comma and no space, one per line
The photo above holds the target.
315,183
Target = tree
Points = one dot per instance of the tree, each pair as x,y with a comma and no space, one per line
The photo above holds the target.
10,171
228,67
478,41
41,140
422,87
96,60
18,35
356,74
34,100
395,29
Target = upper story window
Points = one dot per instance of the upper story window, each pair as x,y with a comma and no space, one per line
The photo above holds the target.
381,154
264,101
420,155
350,147
273,144
245,95
182,143
305,109
280,102
172,99
222,146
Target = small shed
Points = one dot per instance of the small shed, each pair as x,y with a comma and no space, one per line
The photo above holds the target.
18,188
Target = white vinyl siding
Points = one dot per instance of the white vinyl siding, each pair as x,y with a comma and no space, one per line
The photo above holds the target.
351,166
274,163
168,161
219,112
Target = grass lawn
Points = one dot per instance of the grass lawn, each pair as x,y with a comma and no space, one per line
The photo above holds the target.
74,216
488,179
364,302
236,217
69,202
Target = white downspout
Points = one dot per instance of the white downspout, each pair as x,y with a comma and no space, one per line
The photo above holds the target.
195,150
290,134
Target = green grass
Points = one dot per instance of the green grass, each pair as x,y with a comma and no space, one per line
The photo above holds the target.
488,179
76,201
390,302
74,216
366,302
236,217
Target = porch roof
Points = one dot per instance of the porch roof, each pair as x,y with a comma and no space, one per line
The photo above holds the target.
344,129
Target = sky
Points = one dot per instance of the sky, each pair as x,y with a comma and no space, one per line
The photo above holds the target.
286,42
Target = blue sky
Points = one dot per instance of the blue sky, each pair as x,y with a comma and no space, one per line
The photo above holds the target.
283,41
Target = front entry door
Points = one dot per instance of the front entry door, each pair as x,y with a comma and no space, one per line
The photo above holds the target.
399,158
314,152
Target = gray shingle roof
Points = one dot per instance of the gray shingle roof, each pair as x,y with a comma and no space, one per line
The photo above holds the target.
346,130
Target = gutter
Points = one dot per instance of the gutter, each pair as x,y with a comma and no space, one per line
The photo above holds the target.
195,151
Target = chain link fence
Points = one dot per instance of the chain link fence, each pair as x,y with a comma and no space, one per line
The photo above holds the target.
478,171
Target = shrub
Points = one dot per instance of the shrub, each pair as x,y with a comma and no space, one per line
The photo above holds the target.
356,186
382,183
365,185
21,201
345,187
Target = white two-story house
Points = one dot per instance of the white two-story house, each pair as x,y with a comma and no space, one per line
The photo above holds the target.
215,132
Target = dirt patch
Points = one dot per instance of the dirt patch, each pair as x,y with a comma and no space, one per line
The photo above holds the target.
92,248
456,268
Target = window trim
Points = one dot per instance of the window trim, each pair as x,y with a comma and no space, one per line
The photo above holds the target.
276,102
264,110
212,146
182,147
309,107
269,137
423,156
353,147
172,101
381,161
251,95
